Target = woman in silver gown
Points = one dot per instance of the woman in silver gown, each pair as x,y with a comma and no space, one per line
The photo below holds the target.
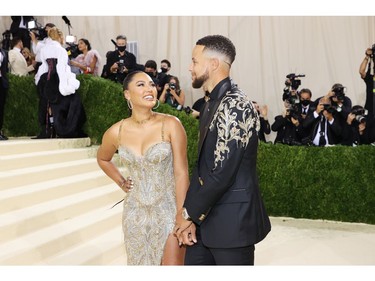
153,148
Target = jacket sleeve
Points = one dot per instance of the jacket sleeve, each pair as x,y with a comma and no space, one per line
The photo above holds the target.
236,122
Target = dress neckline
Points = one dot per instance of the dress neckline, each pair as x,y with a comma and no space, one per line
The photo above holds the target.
146,151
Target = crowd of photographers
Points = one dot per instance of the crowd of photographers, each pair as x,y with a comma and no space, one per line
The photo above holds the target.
327,120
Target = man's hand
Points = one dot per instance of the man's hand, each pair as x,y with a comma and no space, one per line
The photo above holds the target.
180,226
188,236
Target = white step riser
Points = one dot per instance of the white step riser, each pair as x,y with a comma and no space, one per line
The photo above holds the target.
55,205
27,145
53,216
11,180
37,254
28,199
35,160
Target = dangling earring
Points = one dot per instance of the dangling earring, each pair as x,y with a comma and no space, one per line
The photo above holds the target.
158,103
129,104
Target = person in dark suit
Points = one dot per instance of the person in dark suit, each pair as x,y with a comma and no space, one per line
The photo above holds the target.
4,85
18,28
326,129
119,62
305,107
223,215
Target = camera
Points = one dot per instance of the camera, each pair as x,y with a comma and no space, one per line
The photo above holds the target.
292,113
72,50
294,82
187,109
172,86
37,29
329,108
372,50
339,91
291,85
121,66
359,113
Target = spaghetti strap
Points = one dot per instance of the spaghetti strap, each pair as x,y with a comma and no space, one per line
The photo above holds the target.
119,132
162,128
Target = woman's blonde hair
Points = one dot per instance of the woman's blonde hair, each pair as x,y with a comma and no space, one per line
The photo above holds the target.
56,34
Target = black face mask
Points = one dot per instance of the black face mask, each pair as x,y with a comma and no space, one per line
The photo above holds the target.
164,70
151,74
305,102
121,48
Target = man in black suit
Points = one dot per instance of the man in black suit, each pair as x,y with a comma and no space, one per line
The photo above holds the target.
119,62
18,28
326,129
4,85
223,215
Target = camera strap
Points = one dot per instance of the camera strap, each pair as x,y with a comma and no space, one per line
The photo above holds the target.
322,133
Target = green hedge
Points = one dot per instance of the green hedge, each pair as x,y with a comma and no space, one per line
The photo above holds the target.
333,183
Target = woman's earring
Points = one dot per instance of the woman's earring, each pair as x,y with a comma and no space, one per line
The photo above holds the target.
129,104
157,104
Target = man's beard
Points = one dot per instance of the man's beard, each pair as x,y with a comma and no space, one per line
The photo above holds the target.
199,81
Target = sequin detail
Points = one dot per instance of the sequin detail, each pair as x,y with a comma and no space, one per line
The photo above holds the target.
150,207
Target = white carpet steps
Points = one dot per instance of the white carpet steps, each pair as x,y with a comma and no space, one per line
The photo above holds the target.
55,205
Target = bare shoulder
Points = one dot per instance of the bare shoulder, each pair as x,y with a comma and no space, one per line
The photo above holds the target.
169,120
113,131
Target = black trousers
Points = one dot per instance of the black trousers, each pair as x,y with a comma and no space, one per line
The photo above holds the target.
3,94
199,254
24,35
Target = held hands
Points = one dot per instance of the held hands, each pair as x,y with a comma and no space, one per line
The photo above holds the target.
184,230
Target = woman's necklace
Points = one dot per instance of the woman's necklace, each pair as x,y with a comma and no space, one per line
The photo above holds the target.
144,121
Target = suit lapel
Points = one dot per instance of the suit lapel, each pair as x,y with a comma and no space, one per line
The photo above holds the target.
209,112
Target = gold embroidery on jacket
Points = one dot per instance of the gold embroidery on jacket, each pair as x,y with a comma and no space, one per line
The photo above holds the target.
235,120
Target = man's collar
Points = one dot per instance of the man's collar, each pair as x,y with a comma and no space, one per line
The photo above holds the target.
222,86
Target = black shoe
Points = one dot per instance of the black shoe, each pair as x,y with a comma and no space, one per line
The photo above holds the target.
2,137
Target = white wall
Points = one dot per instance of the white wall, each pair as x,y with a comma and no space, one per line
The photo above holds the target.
328,49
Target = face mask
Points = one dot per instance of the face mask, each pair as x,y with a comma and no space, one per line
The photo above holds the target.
305,102
151,74
164,70
121,48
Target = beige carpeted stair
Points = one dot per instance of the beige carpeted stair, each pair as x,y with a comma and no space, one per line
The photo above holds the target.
55,205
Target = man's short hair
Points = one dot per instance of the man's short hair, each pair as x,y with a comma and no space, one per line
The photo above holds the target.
219,44
121,37
151,64
167,62
305,90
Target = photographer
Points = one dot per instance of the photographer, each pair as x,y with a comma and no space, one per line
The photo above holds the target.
289,125
326,129
359,128
39,40
305,108
172,93
340,101
368,78
119,62
88,60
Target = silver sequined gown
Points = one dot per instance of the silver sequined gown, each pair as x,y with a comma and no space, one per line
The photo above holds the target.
150,207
